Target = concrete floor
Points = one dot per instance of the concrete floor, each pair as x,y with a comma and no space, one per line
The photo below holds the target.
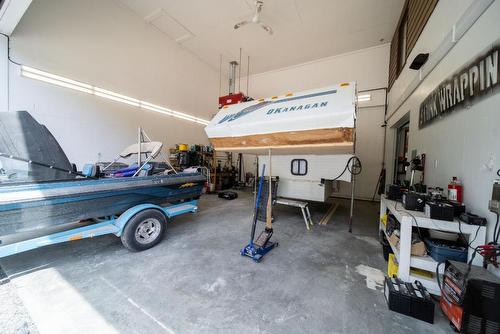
195,281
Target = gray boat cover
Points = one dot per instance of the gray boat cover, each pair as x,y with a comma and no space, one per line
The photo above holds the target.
22,136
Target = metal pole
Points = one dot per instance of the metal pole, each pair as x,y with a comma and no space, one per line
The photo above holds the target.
351,212
220,76
239,74
353,178
248,72
269,211
382,175
139,149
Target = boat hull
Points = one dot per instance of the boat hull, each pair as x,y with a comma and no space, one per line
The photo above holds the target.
38,206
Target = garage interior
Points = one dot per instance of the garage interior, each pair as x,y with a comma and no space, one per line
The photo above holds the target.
241,166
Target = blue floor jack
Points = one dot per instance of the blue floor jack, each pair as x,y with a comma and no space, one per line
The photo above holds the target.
262,245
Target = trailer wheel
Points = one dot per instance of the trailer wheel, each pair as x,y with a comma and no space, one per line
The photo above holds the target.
144,230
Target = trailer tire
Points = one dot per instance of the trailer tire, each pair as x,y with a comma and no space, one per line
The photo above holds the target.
144,230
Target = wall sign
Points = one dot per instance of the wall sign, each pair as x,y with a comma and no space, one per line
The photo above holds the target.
474,80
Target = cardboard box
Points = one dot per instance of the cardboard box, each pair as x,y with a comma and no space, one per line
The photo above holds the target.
417,248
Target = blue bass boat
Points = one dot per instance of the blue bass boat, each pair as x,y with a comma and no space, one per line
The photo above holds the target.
39,188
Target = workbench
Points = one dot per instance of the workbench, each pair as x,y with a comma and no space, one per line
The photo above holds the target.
475,236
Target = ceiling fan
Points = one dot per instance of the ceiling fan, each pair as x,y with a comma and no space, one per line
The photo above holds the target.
256,18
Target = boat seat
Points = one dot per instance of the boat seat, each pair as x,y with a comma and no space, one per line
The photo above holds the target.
153,148
91,170
131,170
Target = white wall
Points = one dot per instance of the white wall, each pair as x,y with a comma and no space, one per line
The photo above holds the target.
4,65
105,44
462,143
369,68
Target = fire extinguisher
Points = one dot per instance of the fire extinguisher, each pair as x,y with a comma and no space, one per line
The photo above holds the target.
455,190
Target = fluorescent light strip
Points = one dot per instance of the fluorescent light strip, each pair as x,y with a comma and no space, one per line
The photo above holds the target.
120,97
34,71
117,99
57,80
364,98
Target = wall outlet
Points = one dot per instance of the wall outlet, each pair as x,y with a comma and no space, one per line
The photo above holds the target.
490,164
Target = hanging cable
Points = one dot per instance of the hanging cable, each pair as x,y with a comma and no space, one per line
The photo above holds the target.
355,169
8,50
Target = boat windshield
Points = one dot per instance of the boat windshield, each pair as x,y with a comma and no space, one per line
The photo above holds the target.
13,171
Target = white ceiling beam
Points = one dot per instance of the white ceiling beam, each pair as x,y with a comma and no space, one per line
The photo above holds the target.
11,13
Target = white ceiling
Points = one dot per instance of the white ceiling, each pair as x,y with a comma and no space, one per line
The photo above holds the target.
304,30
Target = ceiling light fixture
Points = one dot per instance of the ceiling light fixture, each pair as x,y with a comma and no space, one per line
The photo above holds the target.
364,97
55,80
58,80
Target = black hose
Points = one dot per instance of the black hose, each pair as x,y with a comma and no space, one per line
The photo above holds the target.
496,231
348,167
8,50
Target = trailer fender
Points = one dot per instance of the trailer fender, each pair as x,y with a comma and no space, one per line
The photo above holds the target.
124,218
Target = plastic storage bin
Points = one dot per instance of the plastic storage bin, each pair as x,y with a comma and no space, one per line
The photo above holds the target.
442,250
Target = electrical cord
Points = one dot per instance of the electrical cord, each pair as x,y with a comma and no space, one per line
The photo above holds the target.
412,216
8,50
496,231
462,235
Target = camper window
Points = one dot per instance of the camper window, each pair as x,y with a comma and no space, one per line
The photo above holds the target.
299,167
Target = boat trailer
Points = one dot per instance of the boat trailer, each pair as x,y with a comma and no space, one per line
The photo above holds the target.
140,227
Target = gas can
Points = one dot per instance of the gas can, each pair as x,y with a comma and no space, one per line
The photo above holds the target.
455,190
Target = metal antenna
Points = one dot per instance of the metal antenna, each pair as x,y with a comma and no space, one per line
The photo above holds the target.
239,75
139,140
220,75
248,73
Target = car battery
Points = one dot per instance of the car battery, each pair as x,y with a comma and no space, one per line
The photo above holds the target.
411,299
394,192
439,210
413,201
458,208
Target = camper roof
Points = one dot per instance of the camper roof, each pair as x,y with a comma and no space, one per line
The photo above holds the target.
314,121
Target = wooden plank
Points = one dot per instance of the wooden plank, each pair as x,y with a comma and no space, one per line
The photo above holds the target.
328,215
393,60
317,149
419,13
289,138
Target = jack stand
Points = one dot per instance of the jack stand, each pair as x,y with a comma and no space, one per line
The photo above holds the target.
260,247
256,252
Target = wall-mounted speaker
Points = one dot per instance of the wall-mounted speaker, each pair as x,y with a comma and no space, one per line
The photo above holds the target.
419,61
